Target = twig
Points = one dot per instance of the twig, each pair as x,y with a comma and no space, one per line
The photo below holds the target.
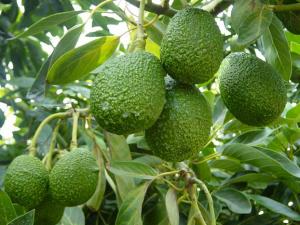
288,7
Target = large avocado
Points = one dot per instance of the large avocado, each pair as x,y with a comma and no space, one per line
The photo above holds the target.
251,89
184,125
74,177
128,94
192,47
26,181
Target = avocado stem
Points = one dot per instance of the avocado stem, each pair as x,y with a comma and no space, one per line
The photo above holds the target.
74,130
48,162
140,33
288,7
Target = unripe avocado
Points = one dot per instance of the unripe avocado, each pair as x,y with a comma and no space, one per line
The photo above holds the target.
74,177
49,212
183,127
26,181
251,89
128,93
290,19
192,47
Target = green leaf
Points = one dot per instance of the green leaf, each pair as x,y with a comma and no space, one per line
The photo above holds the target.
172,207
251,178
294,113
250,18
67,42
267,160
236,201
275,207
73,216
131,208
46,22
7,210
227,164
276,49
78,62
253,137
25,219
119,150
132,169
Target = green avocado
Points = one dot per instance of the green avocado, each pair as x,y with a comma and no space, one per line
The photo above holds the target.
192,47
290,19
26,181
74,177
128,94
184,125
251,89
49,212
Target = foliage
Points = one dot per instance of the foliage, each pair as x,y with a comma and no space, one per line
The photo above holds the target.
251,174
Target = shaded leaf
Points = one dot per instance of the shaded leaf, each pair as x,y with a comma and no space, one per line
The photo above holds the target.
73,216
78,62
132,169
250,18
2,118
25,219
172,207
250,178
275,206
276,49
7,210
236,201
46,22
131,208
227,164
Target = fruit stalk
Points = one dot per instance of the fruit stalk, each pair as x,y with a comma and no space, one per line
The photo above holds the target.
288,7
48,163
74,131
140,35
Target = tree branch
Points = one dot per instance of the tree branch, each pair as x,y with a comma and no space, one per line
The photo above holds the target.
151,7
288,7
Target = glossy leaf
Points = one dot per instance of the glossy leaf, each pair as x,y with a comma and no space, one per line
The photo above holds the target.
267,160
236,201
251,178
250,18
276,49
25,219
7,210
46,22
227,164
131,208
275,206
132,169
73,216
78,62
172,207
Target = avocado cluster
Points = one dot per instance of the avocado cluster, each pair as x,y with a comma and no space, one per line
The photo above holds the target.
129,94
251,89
72,181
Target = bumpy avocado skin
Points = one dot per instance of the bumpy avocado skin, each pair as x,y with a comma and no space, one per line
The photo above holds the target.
49,212
183,127
128,94
192,47
26,181
290,19
251,89
74,177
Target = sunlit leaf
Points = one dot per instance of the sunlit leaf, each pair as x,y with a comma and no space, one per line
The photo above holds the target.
172,207
73,216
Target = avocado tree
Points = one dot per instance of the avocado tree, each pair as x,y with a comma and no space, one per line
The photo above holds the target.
156,113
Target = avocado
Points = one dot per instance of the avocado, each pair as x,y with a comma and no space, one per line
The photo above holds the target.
192,47
251,89
26,181
74,177
128,94
49,212
290,19
184,125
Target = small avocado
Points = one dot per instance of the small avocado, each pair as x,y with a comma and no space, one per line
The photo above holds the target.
73,179
26,181
251,89
184,125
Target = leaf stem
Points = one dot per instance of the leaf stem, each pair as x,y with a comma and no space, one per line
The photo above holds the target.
287,7
209,199
194,204
97,8
74,131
